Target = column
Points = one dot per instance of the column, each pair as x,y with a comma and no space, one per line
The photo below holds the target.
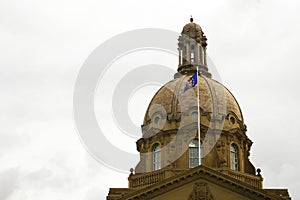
188,52
205,60
179,57
201,54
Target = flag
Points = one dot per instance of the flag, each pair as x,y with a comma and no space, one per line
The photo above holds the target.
192,82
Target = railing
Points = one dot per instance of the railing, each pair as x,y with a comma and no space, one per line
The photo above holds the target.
143,180
255,181
147,179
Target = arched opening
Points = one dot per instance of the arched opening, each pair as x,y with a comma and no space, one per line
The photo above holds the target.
234,158
192,54
156,154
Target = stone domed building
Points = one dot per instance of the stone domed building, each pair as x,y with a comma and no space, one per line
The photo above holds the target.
194,144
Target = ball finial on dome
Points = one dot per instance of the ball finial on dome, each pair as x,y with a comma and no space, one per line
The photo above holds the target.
191,19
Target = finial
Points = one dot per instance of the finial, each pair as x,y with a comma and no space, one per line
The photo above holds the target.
131,170
258,172
191,19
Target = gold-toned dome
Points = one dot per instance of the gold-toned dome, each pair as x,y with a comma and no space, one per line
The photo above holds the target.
174,107
173,103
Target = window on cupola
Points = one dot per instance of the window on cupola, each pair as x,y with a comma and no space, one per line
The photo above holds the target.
194,153
156,157
192,54
234,161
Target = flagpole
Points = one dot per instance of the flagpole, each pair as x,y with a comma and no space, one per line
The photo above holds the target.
199,131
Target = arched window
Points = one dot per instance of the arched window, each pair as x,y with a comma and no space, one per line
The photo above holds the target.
194,153
156,157
234,159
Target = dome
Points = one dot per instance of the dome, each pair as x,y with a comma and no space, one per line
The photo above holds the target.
173,102
191,107
174,106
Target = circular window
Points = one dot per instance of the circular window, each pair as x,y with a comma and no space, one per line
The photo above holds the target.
232,120
194,115
156,120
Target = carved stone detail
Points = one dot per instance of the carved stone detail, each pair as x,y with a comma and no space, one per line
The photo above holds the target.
222,161
201,192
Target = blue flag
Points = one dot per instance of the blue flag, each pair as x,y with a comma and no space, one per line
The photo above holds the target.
192,82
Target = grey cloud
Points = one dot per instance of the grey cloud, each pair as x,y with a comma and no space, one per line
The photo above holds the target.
11,141
40,175
9,182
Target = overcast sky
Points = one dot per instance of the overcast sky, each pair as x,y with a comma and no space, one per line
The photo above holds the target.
254,44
